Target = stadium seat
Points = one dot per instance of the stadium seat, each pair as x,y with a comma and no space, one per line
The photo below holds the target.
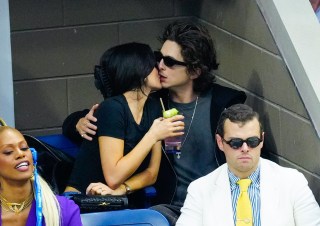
60,142
137,217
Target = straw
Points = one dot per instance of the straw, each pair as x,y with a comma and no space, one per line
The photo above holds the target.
2,122
162,104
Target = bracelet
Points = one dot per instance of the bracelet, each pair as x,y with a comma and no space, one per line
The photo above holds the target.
128,189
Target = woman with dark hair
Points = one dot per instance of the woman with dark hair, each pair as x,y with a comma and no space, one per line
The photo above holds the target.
125,154
26,199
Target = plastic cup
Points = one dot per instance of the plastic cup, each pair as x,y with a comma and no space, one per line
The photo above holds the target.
172,144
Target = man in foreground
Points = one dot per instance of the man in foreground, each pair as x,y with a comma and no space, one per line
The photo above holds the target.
274,195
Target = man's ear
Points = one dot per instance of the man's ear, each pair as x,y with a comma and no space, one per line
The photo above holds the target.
219,142
196,74
262,137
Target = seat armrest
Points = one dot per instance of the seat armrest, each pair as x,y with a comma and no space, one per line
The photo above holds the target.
150,192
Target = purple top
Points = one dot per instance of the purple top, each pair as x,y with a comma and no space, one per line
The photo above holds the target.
69,211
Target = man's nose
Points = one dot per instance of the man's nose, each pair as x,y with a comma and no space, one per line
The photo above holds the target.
161,65
245,147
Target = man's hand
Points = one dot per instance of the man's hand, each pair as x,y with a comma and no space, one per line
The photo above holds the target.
85,127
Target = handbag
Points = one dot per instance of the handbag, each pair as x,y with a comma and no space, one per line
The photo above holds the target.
99,203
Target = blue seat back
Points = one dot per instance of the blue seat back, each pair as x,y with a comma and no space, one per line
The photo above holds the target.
60,142
137,217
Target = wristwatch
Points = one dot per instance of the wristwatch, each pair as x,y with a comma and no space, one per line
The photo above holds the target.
128,189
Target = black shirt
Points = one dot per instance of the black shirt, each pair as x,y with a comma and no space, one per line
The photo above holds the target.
115,120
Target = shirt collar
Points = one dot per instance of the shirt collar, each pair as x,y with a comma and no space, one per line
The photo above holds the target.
254,177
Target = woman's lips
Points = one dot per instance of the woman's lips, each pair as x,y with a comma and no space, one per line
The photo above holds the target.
23,166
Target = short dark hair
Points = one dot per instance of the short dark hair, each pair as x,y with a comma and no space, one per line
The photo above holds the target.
197,50
123,68
238,113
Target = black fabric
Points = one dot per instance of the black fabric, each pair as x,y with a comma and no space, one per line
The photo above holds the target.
114,120
87,167
222,97
166,181
53,165
170,212
197,157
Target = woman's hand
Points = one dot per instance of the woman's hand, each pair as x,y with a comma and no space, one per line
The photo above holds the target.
102,189
170,127
84,126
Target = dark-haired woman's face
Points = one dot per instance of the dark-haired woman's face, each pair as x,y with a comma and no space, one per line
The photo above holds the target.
153,81
15,156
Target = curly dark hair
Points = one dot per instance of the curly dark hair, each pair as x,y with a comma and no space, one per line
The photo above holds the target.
197,50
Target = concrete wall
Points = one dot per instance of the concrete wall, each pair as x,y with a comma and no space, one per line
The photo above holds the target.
55,45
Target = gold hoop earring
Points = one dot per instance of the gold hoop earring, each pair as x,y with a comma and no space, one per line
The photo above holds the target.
32,176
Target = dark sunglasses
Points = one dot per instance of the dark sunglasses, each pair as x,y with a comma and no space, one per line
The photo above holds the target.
237,143
167,60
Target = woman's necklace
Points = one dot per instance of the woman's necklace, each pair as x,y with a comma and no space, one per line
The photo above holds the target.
16,207
185,138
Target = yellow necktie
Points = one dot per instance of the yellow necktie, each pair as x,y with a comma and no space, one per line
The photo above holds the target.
244,209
